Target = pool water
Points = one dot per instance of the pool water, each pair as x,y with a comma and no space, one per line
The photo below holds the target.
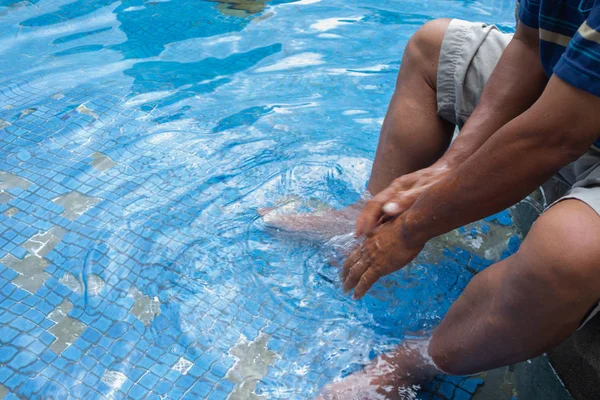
137,141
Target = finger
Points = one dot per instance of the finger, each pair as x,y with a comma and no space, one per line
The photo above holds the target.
400,203
366,281
355,274
368,217
352,259
392,207
371,213
264,211
405,182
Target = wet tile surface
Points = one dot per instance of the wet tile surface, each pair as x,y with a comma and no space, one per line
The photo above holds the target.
137,141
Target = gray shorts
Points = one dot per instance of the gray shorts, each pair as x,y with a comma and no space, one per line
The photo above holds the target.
469,54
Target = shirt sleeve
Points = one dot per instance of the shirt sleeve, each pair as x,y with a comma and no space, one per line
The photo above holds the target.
529,12
580,63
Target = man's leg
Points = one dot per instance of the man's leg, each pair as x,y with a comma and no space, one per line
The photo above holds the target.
523,306
413,135
514,310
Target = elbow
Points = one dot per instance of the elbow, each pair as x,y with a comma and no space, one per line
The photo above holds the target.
561,149
568,150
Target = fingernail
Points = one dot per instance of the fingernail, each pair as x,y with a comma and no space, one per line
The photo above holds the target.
391,208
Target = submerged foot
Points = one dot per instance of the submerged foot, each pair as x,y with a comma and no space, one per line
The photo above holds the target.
321,225
393,376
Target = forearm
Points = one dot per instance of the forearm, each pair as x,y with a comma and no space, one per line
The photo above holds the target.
510,90
510,165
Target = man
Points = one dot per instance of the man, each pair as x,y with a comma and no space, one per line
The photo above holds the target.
538,115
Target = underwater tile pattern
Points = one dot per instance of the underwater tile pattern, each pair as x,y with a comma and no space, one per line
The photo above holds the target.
137,141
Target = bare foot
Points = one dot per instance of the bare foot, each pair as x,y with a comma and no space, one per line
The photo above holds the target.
320,225
393,376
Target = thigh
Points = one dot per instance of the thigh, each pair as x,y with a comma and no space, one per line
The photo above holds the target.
524,305
469,54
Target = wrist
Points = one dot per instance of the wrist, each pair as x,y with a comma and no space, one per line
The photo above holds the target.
449,161
411,231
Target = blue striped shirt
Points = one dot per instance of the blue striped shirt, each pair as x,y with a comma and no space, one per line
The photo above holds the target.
569,39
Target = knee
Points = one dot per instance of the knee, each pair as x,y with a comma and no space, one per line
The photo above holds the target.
448,359
424,46
563,245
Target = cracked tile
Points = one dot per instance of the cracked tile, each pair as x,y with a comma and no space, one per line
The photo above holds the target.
102,162
253,361
144,308
31,271
43,243
11,181
4,124
76,204
66,329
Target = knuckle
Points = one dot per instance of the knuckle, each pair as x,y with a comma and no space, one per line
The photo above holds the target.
353,274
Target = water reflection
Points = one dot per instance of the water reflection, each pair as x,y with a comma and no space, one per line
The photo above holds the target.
194,139
240,8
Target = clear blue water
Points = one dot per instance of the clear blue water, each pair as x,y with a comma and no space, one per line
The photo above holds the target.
138,139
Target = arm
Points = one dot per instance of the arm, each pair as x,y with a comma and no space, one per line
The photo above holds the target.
518,158
522,155
510,90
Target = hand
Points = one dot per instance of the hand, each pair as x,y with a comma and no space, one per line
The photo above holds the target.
383,252
398,197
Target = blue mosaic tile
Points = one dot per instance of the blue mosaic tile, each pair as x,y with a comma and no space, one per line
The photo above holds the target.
137,392
171,213
15,381
7,334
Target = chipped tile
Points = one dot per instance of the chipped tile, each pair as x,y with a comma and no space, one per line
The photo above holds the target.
72,283
113,379
57,96
82,109
10,181
31,271
43,243
67,329
253,361
144,308
95,284
26,112
4,124
182,366
76,204
102,162
5,197
11,211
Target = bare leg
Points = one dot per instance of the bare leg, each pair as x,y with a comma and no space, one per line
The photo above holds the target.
516,309
413,136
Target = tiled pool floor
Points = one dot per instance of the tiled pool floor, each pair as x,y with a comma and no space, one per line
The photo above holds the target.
137,140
